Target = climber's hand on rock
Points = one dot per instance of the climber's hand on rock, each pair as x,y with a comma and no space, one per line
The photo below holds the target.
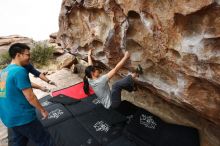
127,54
90,51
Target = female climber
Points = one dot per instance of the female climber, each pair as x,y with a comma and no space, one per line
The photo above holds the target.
99,83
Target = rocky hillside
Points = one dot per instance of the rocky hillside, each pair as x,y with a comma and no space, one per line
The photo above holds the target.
6,41
177,42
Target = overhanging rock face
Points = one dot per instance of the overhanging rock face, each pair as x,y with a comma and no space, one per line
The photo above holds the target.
176,42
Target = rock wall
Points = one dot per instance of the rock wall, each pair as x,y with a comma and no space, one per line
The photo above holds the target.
177,42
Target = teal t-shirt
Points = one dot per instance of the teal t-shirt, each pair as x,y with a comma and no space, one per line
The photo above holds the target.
15,110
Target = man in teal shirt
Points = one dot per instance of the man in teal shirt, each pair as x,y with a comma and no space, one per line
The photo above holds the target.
18,102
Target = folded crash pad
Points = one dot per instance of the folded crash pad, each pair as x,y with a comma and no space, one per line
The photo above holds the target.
57,114
137,140
91,99
177,135
71,133
122,141
100,127
63,99
75,91
84,106
45,101
127,109
145,127
81,108
110,115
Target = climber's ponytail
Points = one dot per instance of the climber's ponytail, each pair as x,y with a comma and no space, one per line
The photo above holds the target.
88,72
86,85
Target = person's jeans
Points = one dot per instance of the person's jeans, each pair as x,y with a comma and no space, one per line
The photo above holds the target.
33,131
126,83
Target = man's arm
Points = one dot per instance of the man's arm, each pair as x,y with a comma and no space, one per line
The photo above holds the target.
89,57
118,66
30,68
32,99
44,78
36,86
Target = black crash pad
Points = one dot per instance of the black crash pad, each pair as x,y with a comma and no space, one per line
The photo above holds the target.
145,127
57,114
71,133
122,141
63,99
44,101
100,127
127,109
81,108
84,106
177,135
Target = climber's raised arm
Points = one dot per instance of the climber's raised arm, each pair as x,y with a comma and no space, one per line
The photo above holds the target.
89,56
118,66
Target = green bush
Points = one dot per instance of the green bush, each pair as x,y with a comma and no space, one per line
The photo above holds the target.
41,53
4,59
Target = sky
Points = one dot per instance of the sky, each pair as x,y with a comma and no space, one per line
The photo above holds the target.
36,19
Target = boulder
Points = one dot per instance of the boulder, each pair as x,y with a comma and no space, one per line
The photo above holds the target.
66,60
176,43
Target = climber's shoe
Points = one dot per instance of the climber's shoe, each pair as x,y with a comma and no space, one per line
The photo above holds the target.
139,70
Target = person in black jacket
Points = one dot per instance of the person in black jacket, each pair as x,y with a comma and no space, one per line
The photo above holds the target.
30,68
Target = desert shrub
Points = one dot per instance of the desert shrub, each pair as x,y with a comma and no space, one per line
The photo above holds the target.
41,53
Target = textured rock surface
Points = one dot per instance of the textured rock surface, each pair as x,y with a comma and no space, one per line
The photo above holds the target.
53,37
176,42
65,61
6,41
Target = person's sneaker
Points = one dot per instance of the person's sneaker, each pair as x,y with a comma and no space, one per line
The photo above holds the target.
139,70
135,73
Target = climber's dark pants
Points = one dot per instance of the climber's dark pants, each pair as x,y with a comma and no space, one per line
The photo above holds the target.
127,84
